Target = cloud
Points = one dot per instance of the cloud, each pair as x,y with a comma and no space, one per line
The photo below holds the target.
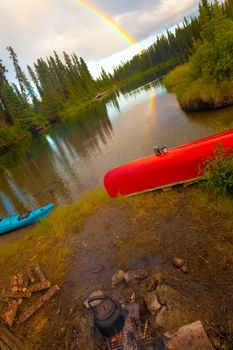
36,28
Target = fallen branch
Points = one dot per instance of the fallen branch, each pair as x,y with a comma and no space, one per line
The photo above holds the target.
37,305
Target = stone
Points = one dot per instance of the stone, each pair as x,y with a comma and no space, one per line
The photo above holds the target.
177,262
152,303
189,337
132,277
95,293
180,264
175,309
118,277
184,269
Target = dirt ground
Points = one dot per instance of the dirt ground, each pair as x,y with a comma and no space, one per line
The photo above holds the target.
147,233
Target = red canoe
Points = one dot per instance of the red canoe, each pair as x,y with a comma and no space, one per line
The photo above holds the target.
177,165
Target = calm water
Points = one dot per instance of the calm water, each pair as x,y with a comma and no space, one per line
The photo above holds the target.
74,156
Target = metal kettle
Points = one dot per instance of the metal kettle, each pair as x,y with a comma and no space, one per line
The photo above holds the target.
109,317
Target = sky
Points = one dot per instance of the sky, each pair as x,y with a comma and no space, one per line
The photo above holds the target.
34,28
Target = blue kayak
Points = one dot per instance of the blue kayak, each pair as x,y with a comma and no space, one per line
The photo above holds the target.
14,222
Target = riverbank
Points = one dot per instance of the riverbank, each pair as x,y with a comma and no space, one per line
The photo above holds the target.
198,94
81,246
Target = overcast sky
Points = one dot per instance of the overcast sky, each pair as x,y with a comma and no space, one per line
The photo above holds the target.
34,28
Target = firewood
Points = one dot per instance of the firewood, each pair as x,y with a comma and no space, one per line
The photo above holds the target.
11,313
9,340
15,289
37,305
25,281
39,273
20,280
20,301
16,295
30,274
39,286
14,281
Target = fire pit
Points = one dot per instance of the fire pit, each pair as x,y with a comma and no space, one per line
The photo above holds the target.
136,333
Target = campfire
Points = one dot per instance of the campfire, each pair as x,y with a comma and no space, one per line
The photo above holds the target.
120,327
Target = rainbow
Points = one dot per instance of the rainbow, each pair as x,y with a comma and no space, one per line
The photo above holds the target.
107,19
152,103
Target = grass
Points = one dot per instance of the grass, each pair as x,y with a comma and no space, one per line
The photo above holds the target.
196,94
49,243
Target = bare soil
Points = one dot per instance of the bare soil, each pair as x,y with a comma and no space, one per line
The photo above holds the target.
148,232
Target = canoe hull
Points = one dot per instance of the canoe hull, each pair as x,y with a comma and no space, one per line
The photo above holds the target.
14,222
179,165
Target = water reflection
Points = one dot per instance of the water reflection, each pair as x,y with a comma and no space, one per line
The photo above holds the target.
7,204
74,156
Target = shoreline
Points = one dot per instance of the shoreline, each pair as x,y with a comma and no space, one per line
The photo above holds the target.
198,95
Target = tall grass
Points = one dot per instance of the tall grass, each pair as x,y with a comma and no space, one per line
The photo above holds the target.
218,172
195,94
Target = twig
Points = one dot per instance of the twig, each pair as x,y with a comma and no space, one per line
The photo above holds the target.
201,257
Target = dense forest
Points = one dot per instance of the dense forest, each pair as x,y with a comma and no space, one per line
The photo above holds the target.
206,81
55,84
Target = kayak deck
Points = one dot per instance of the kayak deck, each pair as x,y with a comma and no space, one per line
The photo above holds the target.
14,222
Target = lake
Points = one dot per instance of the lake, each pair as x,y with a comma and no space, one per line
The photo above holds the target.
73,157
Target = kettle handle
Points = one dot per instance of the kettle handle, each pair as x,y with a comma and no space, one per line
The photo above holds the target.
100,297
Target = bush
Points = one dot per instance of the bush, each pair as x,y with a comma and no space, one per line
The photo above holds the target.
218,172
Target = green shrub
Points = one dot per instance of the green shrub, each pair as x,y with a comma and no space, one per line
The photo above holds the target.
218,172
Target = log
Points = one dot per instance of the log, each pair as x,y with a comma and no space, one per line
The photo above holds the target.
37,305
25,281
39,286
30,274
14,282
11,313
9,340
39,273
20,280
15,295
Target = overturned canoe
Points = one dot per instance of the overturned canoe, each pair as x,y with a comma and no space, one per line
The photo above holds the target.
177,165
14,222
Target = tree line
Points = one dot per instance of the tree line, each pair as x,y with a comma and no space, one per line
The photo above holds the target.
178,44
38,98
54,84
